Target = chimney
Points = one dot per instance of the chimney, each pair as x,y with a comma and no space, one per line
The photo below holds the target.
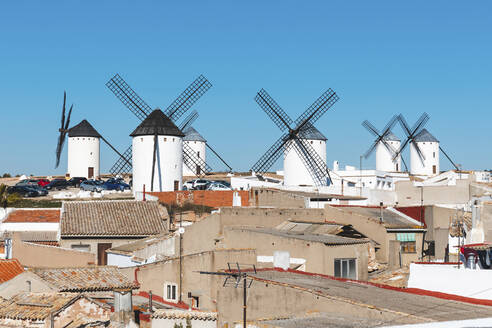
123,307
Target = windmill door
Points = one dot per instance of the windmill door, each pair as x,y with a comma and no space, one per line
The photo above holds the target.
102,256
90,173
176,185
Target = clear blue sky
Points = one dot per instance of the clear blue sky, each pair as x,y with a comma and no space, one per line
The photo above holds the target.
382,58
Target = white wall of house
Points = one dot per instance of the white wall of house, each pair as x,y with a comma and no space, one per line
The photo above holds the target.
29,226
121,261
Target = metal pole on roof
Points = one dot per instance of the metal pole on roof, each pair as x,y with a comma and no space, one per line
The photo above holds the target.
244,303
180,255
360,179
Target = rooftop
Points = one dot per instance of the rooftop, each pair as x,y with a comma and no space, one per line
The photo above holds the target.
425,136
85,279
193,135
415,302
83,129
9,269
392,219
35,216
184,314
34,306
327,239
310,132
116,218
129,248
320,320
390,136
157,123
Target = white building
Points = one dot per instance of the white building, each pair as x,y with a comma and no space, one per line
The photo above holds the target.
83,151
295,171
168,175
197,143
429,146
384,156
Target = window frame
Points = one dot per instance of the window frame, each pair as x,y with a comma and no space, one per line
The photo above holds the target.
341,268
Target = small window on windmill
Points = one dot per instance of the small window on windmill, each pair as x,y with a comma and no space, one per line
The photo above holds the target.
173,139
165,139
311,142
434,154
141,139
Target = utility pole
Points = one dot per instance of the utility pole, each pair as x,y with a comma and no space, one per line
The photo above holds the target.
234,277
360,173
180,231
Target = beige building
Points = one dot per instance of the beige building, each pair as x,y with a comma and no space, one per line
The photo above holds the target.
277,295
95,226
196,319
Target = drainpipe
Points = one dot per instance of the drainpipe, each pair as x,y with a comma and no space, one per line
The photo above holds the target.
381,219
144,193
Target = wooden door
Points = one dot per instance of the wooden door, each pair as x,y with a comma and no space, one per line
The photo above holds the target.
434,169
102,256
90,174
176,185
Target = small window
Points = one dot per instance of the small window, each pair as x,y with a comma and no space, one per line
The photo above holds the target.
434,154
141,139
83,248
173,139
345,268
171,292
165,139
407,242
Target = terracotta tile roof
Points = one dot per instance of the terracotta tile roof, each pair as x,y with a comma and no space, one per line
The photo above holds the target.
9,269
34,306
88,279
112,218
38,216
186,314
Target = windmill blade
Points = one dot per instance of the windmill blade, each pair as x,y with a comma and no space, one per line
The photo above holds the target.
449,158
67,123
404,125
420,123
58,149
273,110
129,97
194,162
402,147
154,156
124,163
371,128
316,159
188,98
391,123
419,152
63,110
390,148
318,108
371,149
189,120
63,130
313,163
218,156
271,156
121,156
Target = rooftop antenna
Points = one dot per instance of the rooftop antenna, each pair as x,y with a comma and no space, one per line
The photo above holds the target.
174,112
294,135
237,278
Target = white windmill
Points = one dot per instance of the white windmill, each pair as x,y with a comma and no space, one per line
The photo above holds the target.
157,148
304,146
386,145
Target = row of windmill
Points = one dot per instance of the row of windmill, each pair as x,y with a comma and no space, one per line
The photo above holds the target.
164,149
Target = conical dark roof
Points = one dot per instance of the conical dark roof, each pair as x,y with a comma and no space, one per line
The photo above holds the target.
311,133
192,135
425,136
83,129
390,136
157,122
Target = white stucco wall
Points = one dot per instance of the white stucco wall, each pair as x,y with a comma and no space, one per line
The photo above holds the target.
199,148
168,167
449,279
430,150
83,152
384,158
295,172
29,226
120,260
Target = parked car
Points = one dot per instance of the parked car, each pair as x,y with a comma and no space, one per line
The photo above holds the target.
91,185
75,181
113,184
218,186
200,184
27,182
43,182
41,190
188,185
119,181
225,183
23,190
57,184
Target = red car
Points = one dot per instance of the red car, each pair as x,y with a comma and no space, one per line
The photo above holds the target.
43,182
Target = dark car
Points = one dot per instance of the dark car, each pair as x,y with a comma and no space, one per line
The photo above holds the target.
23,190
27,182
75,181
41,190
57,184
115,184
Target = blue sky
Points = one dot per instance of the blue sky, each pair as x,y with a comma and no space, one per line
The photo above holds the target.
381,57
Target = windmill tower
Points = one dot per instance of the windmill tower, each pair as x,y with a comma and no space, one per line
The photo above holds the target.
295,143
197,143
173,113
157,147
295,172
83,151
429,147
386,145
83,146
